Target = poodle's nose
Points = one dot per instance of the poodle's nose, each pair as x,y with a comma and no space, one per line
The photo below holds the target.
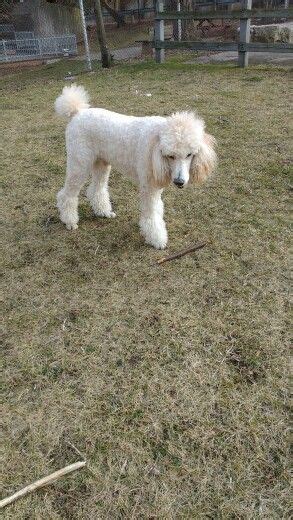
179,183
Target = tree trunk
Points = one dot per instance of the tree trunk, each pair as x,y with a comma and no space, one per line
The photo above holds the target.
105,53
117,17
188,26
172,6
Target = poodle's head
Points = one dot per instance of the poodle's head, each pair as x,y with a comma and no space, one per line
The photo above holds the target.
183,152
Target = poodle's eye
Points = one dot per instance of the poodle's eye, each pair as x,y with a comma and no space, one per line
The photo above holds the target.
171,157
189,155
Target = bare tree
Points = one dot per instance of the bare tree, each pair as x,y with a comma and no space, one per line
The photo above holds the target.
105,53
188,26
90,3
171,5
116,15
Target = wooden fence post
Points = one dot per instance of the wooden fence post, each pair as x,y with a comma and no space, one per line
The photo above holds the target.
159,32
244,35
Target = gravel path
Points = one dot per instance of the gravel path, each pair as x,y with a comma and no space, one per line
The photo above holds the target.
119,54
276,58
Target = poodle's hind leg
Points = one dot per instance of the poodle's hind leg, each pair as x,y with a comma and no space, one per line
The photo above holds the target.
97,192
152,225
77,174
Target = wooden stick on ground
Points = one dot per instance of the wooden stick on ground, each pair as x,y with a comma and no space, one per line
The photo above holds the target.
183,252
42,482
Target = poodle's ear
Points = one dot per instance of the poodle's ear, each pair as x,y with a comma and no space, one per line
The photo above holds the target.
159,175
205,161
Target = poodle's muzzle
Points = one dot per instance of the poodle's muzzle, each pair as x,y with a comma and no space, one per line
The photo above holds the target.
180,171
179,182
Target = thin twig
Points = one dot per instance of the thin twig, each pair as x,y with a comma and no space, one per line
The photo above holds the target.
42,482
89,467
76,450
183,252
64,324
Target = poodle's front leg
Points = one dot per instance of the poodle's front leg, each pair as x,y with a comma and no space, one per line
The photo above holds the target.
152,224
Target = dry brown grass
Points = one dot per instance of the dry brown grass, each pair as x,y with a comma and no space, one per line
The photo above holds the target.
172,379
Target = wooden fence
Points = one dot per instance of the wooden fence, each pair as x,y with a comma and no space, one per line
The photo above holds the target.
243,46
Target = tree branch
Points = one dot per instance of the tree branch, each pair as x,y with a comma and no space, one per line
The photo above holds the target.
183,252
42,482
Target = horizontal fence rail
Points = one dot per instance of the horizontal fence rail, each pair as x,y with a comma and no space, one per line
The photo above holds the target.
225,15
37,48
225,46
243,46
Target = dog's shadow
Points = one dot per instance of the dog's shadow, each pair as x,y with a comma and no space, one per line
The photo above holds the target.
117,235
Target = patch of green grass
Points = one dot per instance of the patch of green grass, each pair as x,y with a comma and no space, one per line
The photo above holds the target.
252,79
171,380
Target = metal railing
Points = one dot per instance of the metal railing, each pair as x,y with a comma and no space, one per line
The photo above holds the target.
37,48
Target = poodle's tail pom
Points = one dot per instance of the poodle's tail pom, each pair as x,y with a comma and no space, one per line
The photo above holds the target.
72,100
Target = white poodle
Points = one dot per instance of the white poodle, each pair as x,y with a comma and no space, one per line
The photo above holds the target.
153,151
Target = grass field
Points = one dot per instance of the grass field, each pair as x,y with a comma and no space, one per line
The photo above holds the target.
171,380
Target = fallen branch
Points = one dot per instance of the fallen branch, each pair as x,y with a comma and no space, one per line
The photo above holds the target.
183,252
42,482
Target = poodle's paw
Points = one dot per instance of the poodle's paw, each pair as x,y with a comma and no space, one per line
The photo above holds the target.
71,226
154,232
157,243
68,210
105,214
100,202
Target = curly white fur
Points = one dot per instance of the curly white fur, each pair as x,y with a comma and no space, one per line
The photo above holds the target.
153,151
72,100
